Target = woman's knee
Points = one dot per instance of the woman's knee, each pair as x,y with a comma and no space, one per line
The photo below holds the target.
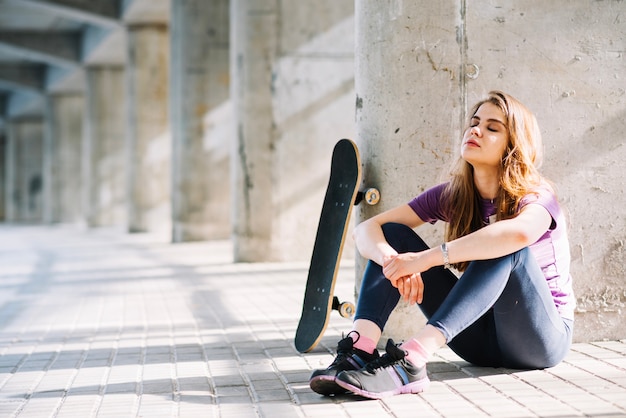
402,238
521,257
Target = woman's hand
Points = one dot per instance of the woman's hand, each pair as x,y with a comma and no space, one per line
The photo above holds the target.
405,264
411,288
403,271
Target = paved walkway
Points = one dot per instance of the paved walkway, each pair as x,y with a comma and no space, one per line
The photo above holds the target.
105,324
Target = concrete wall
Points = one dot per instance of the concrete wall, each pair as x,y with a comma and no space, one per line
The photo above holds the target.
313,100
572,76
292,70
420,65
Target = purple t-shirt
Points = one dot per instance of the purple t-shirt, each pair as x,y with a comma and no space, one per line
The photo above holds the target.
551,250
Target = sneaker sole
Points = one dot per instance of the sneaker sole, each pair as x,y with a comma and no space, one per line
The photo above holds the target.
326,385
413,387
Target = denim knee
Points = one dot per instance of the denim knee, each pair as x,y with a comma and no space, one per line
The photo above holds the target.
402,238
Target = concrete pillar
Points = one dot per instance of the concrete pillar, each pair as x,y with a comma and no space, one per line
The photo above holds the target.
199,109
292,77
3,158
24,180
409,90
10,191
573,79
63,158
420,65
254,43
103,162
148,139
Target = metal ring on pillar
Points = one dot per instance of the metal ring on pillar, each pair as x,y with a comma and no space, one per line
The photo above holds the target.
474,73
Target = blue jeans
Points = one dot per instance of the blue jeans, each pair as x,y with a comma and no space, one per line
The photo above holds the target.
500,313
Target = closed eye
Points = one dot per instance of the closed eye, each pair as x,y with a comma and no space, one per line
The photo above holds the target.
494,125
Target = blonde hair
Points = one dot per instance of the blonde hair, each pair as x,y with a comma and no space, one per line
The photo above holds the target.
519,172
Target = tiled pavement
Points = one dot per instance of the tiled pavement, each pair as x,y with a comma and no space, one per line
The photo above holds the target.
103,323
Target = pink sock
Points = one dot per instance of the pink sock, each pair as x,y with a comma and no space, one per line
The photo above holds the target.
416,353
363,343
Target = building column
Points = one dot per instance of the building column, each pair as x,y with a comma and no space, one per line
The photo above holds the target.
409,107
148,139
25,179
103,161
254,43
3,169
10,191
293,99
63,158
199,109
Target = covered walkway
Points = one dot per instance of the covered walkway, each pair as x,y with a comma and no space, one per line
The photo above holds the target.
104,323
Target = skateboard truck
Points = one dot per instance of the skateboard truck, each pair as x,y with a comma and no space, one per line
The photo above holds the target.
345,309
371,196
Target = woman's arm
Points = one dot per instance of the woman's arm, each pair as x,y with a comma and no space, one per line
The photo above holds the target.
369,237
503,237
495,240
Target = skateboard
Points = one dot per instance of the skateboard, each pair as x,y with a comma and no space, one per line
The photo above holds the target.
341,194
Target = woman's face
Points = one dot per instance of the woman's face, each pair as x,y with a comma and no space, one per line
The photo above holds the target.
486,139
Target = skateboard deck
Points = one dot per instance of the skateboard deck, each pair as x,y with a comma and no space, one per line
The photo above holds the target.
319,299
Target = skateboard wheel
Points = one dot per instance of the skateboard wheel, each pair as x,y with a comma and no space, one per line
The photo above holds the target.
346,309
372,196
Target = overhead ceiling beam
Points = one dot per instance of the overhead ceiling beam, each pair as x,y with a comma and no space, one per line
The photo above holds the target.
23,103
146,11
57,48
97,12
23,76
